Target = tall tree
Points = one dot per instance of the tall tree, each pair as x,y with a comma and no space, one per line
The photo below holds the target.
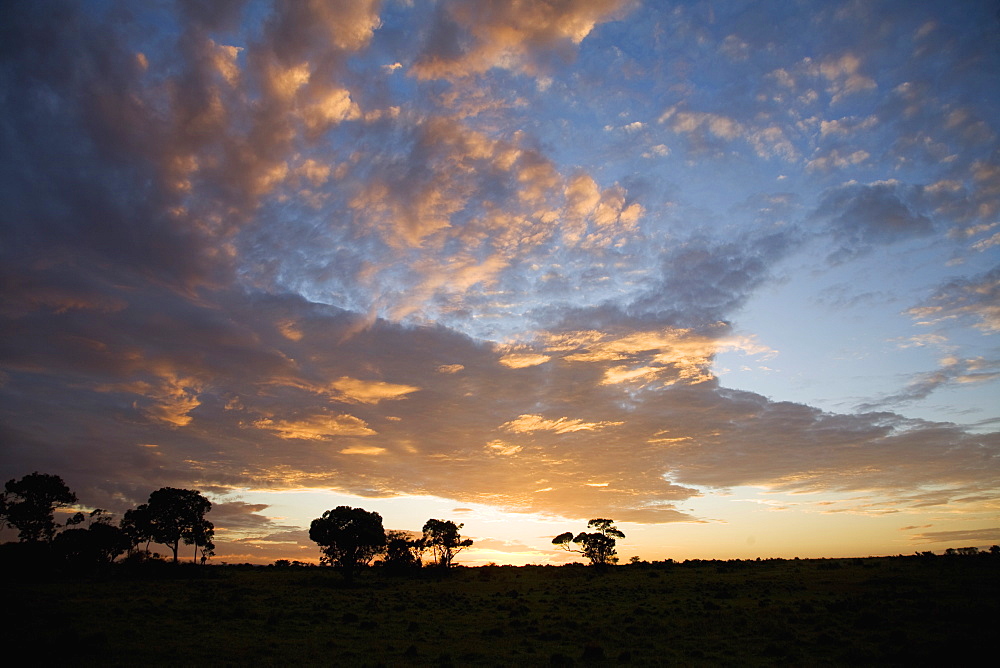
597,546
348,537
178,514
29,505
442,537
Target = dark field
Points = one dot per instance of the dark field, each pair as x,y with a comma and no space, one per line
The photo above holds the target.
874,611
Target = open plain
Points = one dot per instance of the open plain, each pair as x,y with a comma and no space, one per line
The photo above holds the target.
871,611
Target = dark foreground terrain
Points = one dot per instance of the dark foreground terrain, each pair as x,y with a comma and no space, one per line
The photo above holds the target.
874,611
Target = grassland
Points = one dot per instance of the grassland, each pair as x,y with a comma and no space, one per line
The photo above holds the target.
875,611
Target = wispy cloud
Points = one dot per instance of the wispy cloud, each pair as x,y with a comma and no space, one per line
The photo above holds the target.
971,535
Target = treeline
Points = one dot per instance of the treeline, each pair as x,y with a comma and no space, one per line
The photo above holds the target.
351,538
170,517
963,552
348,538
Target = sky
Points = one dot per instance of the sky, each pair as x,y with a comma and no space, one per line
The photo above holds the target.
727,273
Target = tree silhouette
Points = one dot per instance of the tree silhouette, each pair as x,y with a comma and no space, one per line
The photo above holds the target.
598,546
442,537
201,537
29,505
403,551
348,537
178,514
100,543
137,525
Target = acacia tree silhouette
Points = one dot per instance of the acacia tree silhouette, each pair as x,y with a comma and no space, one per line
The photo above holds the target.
598,546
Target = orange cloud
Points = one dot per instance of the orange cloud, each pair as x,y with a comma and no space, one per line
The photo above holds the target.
502,448
678,353
369,391
525,424
316,427
507,34
523,360
363,450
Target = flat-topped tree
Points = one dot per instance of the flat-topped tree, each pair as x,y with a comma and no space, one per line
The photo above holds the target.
597,546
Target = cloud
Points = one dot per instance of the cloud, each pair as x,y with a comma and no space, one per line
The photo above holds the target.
847,125
823,457
239,517
368,391
648,446
297,29
670,355
242,125
317,427
703,280
522,360
991,535
266,548
987,243
362,450
976,298
197,154
843,74
169,402
951,371
525,424
469,38
709,132
704,130
504,449
860,217
834,160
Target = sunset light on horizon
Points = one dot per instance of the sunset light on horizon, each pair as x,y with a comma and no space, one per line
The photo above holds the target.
727,273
